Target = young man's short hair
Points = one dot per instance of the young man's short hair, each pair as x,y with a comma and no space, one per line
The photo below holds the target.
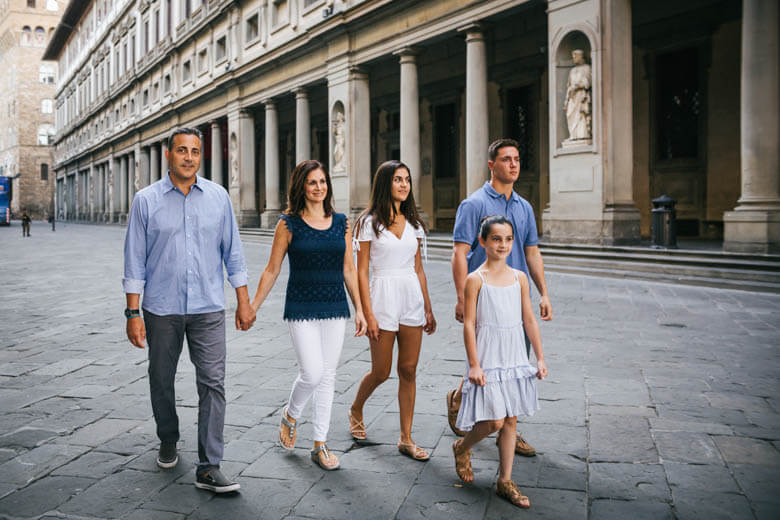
496,145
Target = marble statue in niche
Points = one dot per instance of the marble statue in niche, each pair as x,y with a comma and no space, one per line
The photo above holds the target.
339,141
578,102
234,178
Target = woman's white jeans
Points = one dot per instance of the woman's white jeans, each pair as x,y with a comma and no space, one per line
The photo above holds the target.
317,346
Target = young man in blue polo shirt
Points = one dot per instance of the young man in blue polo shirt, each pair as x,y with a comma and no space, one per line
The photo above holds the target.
497,197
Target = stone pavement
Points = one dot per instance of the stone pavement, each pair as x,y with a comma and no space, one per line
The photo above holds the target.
662,403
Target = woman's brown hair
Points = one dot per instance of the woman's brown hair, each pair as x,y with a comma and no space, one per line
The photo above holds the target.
381,207
296,194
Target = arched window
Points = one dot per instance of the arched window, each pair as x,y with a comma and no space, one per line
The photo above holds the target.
40,36
26,35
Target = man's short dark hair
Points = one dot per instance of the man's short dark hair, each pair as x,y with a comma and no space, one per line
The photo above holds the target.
184,131
496,145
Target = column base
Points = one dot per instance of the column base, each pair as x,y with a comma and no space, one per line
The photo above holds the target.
751,231
248,218
269,218
618,225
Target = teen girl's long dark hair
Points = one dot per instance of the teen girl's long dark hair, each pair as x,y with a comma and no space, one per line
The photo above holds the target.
381,208
296,195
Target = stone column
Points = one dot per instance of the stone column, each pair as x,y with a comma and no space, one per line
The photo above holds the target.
154,163
132,179
359,141
272,200
620,216
123,187
144,167
115,188
410,118
302,126
163,159
754,225
248,216
216,153
91,191
477,137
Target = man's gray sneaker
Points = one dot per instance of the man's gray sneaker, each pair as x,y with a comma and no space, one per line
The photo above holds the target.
215,481
167,456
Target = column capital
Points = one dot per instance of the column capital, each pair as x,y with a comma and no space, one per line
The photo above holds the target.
301,92
474,31
269,104
246,113
356,72
214,122
407,52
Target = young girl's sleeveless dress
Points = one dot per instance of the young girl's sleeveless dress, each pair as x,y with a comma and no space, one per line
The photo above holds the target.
510,388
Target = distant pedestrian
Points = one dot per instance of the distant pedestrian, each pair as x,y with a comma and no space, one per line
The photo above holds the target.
318,243
180,231
396,302
25,223
500,381
497,197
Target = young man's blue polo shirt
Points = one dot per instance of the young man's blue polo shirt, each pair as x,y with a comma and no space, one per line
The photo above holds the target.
487,201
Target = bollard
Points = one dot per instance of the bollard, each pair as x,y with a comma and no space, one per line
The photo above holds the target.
664,225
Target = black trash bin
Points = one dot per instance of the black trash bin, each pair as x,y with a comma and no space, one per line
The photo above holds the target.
664,229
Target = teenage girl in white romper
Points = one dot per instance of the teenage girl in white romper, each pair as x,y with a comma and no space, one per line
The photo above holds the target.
389,236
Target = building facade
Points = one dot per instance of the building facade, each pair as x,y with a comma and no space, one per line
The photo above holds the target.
27,90
613,102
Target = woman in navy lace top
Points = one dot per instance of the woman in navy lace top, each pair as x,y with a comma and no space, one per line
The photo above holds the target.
317,242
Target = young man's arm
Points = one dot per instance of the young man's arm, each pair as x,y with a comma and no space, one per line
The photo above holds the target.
464,233
536,269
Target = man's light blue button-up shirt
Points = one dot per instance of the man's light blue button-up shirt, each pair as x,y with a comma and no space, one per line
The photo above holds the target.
175,247
487,201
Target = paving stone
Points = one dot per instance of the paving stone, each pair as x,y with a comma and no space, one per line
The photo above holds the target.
38,462
258,498
667,425
695,448
545,503
743,450
43,495
443,502
280,464
558,472
26,437
99,432
606,509
353,494
65,366
149,514
179,498
116,495
87,391
621,439
94,464
628,482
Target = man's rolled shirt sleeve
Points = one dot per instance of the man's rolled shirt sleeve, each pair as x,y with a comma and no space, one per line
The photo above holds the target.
135,248
466,222
531,236
232,252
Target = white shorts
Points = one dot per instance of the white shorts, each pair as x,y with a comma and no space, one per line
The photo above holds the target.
397,299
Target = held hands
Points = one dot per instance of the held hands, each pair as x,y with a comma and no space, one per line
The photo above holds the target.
372,330
459,311
430,322
545,308
136,331
360,324
245,316
541,369
477,376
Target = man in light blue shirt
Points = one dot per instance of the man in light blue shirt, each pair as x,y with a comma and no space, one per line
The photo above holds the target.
180,232
497,197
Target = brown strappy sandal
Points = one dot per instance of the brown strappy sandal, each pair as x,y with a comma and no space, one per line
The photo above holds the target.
452,413
462,462
413,451
356,428
508,490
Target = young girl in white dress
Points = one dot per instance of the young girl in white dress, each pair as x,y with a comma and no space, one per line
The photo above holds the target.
501,381
389,236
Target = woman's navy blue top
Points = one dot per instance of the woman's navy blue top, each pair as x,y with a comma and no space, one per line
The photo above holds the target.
315,288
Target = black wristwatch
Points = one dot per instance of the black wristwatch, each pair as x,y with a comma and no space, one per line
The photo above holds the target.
132,313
